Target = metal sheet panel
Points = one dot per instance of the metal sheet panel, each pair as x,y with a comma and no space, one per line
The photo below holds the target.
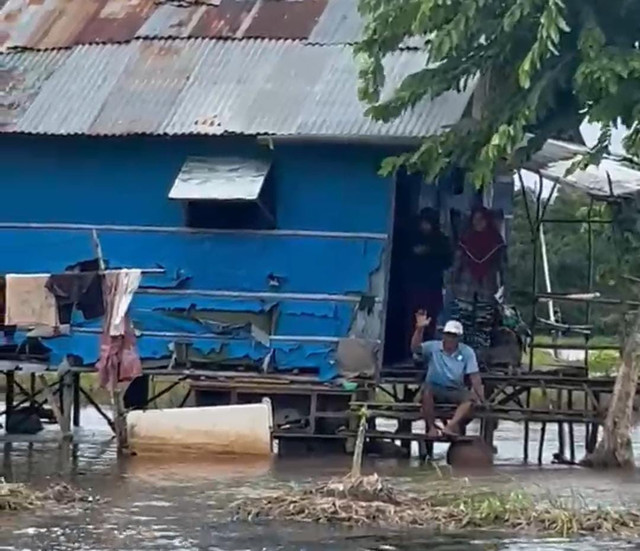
555,158
64,23
220,179
294,19
21,79
171,21
117,21
73,97
226,20
340,23
253,87
146,91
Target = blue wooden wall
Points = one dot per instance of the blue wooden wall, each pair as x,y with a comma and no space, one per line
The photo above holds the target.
333,213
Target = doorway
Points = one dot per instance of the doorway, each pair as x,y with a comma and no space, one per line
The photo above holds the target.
407,200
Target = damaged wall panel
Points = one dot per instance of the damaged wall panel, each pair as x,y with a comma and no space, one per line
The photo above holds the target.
316,280
288,356
233,262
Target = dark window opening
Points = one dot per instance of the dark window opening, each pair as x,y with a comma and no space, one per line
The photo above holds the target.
226,193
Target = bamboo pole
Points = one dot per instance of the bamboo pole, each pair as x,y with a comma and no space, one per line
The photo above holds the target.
119,414
356,464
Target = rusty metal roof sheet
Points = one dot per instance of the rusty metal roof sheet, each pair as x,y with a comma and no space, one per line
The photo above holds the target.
211,87
21,80
40,24
340,23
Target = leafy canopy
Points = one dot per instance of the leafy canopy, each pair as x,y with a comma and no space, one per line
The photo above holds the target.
539,66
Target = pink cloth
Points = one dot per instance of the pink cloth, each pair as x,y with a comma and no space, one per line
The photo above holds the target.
119,360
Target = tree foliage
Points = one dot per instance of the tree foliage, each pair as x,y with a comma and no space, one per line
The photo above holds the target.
541,67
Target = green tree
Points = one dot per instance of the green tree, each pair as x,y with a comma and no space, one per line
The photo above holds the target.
539,66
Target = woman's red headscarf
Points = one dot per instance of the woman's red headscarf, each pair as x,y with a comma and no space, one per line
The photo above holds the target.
480,248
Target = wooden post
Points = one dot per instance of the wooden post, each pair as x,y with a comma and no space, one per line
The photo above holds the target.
119,414
66,399
32,390
313,411
76,400
9,395
561,446
356,465
543,431
51,399
120,421
572,437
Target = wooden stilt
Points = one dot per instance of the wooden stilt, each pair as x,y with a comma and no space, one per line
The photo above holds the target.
97,407
356,464
66,398
32,389
120,421
119,414
9,395
561,441
76,400
46,389
525,447
572,437
543,431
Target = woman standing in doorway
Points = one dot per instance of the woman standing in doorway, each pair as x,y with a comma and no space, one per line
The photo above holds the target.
477,277
428,257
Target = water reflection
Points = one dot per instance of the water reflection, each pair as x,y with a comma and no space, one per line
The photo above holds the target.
164,502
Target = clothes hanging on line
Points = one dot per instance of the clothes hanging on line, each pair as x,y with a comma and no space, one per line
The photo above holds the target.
77,290
119,359
8,331
121,286
28,301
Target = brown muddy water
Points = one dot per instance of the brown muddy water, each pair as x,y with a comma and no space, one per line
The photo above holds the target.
165,504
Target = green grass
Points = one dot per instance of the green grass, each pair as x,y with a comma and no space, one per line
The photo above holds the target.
575,340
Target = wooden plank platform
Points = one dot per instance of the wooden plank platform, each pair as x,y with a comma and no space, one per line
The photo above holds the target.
375,435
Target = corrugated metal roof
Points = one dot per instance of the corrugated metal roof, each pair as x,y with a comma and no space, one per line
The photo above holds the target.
64,23
210,87
340,23
21,80
555,158
221,179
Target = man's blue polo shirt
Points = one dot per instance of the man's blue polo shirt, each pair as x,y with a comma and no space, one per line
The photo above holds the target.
448,370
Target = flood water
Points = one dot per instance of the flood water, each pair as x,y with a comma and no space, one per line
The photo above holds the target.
165,504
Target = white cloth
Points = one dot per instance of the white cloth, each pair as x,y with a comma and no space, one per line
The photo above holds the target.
29,303
120,287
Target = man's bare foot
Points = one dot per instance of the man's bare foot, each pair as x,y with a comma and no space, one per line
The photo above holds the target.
450,430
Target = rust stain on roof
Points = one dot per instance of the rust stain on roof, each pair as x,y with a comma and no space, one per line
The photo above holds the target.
46,24
292,19
225,20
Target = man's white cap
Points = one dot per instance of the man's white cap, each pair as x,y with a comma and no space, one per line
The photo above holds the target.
453,328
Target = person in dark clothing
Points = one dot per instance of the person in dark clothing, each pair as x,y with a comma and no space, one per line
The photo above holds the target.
428,256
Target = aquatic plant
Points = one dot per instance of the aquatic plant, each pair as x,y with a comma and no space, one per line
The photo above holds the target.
442,505
19,497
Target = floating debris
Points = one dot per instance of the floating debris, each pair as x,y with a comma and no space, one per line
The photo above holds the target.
441,505
64,494
19,497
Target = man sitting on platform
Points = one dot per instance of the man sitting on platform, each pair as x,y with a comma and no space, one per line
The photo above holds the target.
448,362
